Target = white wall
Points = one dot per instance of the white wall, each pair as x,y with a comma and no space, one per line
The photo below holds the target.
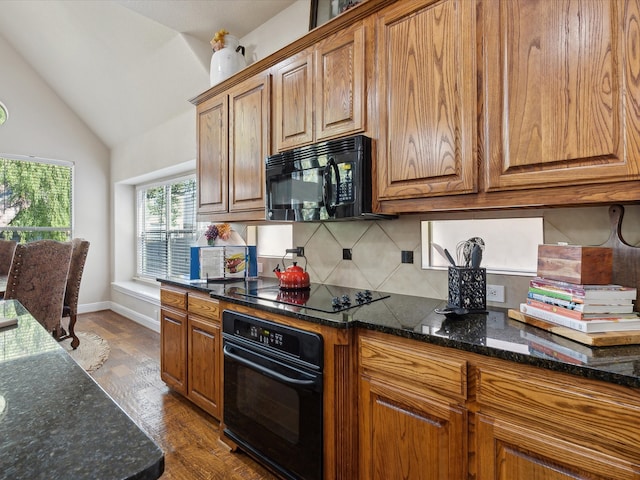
41,124
167,150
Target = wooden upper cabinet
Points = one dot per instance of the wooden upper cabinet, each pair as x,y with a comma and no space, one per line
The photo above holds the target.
340,77
233,141
249,105
320,92
213,155
561,91
293,85
426,99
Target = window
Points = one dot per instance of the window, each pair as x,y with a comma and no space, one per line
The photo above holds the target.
35,199
511,244
166,227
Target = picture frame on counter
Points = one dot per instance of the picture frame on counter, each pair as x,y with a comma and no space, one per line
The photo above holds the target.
322,11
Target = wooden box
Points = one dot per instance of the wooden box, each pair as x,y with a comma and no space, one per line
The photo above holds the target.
576,264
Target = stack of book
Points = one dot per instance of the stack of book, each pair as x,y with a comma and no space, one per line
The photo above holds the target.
586,308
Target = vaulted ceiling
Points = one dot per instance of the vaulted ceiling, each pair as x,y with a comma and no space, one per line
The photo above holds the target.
126,66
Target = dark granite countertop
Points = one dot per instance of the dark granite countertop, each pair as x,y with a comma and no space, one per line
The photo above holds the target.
55,420
493,334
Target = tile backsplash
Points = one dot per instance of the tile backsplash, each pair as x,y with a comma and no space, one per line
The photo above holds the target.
376,248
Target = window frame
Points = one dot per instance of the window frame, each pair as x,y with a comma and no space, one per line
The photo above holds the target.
143,187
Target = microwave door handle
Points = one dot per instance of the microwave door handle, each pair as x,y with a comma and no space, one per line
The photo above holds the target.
327,186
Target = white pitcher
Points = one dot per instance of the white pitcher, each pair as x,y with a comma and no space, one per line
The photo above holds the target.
226,61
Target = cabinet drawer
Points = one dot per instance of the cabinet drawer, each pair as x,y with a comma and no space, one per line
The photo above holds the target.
173,297
556,403
413,365
204,306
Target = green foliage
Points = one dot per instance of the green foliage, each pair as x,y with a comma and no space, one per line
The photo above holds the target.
36,195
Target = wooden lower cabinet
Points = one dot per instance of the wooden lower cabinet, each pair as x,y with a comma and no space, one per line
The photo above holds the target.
173,349
190,347
204,343
413,423
429,412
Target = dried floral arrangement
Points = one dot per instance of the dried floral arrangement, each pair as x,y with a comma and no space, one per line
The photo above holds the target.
218,230
217,42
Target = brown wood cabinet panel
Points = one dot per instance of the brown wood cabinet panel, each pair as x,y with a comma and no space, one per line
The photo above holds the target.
173,348
204,343
173,297
212,155
340,98
204,306
320,93
410,437
293,102
249,105
426,99
410,429
413,367
561,90
568,411
508,451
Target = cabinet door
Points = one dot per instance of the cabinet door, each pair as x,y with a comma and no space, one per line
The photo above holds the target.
249,105
212,155
562,92
293,102
410,437
173,349
427,99
507,451
203,365
340,99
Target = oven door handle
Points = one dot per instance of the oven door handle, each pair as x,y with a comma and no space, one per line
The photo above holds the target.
266,371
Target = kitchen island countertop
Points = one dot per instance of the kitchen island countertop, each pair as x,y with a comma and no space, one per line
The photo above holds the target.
493,334
55,420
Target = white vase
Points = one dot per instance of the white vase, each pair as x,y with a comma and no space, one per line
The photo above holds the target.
226,61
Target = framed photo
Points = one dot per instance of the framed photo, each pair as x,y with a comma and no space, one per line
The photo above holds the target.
324,10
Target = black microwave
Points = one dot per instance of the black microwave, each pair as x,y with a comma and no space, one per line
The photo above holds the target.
325,181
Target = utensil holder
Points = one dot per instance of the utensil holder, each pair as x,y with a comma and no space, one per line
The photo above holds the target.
468,288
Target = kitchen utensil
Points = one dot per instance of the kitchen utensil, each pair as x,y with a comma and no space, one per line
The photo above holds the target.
449,257
451,311
476,256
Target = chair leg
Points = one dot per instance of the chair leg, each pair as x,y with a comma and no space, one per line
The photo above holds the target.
72,324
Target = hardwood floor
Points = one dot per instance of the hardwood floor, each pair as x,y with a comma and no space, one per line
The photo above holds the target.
187,435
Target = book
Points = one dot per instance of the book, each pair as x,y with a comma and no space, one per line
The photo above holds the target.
586,326
575,314
577,292
583,308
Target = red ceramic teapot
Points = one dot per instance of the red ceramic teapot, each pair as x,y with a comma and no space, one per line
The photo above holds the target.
293,277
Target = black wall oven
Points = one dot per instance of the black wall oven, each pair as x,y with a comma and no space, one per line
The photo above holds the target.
273,394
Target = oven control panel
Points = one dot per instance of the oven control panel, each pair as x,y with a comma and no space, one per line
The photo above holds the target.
306,346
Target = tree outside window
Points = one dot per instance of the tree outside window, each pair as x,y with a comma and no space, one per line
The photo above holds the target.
35,200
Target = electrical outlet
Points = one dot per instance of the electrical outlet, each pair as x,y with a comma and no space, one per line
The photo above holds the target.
259,267
495,293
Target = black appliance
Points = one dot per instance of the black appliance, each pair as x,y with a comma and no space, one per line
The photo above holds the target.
273,394
325,181
319,297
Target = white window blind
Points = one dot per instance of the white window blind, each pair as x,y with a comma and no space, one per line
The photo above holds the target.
36,199
166,227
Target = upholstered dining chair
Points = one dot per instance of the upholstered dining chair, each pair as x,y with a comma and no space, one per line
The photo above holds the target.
7,249
38,278
80,248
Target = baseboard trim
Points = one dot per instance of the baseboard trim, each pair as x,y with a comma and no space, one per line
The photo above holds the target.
145,321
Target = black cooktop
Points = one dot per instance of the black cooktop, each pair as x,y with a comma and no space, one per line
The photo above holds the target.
319,297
